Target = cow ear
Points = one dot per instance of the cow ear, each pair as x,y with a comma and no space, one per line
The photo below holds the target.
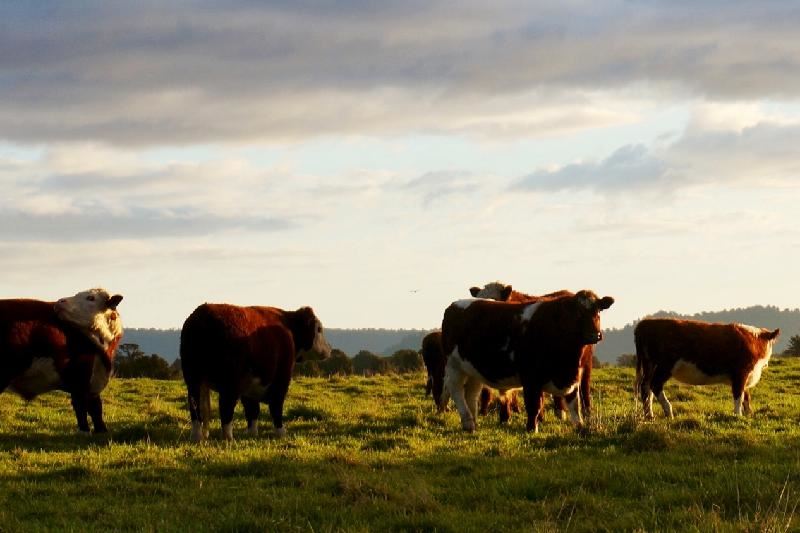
474,291
114,301
770,335
506,292
605,302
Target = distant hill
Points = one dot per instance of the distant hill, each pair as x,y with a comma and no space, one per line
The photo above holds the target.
620,341
165,342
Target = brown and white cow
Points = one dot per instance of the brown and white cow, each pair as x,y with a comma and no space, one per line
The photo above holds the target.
245,353
501,292
699,353
537,346
435,361
66,345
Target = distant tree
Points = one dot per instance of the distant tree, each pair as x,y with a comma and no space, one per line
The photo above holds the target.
132,362
794,346
337,363
176,369
597,363
407,361
308,369
367,363
627,359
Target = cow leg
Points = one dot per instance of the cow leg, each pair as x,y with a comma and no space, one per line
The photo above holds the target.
586,390
472,395
660,376
252,408
485,400
746,405
560,407
441,394
454,381
504,406
197,414
227,404
277,395
573,401
737,387
79,405
429,385
95,408
533,406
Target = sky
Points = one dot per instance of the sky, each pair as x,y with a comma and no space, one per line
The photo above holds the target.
374,160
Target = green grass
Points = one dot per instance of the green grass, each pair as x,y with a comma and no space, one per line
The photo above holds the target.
370,454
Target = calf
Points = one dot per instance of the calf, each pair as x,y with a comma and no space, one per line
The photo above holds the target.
245,353
699,353
505,293
538,346
66,345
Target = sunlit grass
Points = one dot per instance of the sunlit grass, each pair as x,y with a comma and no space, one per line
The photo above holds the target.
371,454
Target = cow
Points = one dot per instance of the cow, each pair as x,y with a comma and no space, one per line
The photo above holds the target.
435,362
499,291
247,354
699,353
537,346
66,345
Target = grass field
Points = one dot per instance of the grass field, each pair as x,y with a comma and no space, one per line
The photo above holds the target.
370,454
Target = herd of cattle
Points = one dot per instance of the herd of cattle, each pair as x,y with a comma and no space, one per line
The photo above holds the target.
499,339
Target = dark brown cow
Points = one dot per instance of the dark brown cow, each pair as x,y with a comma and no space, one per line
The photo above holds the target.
699,353
501,292
245,353
67,345
537,346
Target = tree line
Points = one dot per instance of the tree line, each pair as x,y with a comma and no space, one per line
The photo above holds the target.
131,362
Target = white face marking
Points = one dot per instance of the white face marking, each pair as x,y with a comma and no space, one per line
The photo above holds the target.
466,302
755,375
492,291
529,311
752,329
320,344
687,372
89,311
40,377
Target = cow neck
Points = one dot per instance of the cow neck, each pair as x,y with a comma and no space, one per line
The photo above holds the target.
105,349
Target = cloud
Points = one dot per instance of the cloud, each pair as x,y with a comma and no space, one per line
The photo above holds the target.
147,73
717,147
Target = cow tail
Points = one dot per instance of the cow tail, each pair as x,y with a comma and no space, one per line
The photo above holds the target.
205,403
641,356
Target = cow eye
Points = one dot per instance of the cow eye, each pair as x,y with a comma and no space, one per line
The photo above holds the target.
90,298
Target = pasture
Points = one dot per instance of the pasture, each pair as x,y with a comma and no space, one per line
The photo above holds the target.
370,454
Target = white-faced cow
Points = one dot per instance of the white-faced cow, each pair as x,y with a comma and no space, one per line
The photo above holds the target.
66,345
536,346
245,353
501,292
699,353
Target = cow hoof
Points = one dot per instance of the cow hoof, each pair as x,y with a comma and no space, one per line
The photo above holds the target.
468,426
197,432
280,432
84,432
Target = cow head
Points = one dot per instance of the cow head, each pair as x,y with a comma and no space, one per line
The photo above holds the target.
95,313
493,291
588,306
308,335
